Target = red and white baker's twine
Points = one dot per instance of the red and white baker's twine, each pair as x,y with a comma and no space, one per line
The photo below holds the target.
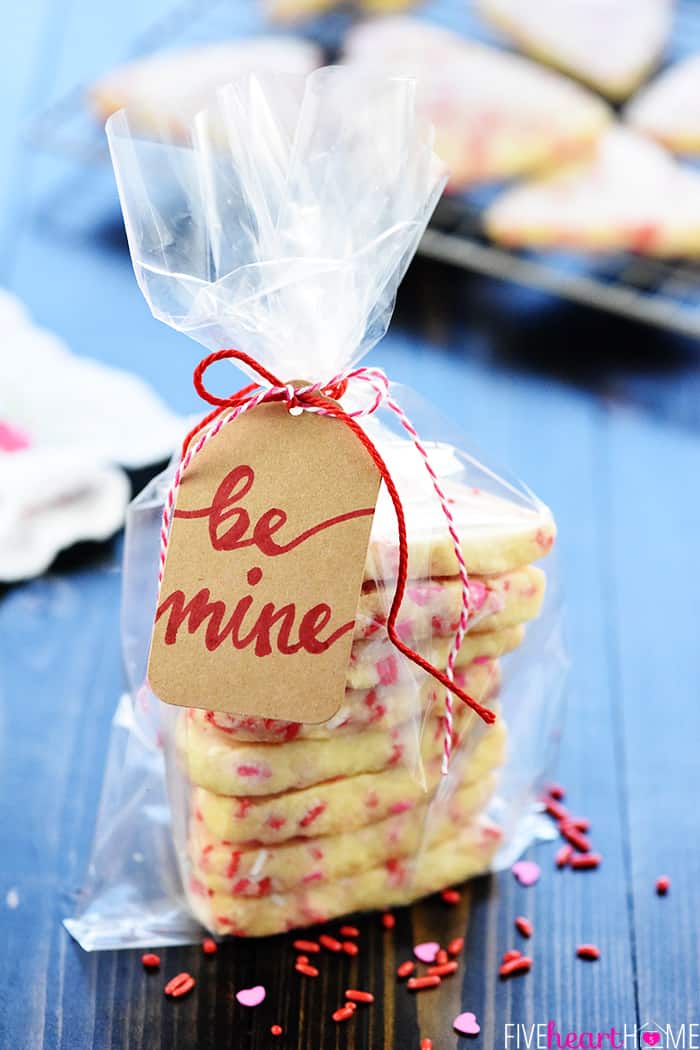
461,564
303,398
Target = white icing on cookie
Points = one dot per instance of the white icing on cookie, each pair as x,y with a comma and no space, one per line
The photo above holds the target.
495,114
668,109
633,197
163,91
611,44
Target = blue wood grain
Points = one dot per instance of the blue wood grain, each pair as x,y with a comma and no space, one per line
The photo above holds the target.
59,671
654,566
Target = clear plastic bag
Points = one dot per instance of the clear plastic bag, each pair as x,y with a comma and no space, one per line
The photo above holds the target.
283,227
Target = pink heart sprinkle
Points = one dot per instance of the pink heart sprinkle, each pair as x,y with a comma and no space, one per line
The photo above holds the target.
527,872
466,1024
251,996
427,952
651,1038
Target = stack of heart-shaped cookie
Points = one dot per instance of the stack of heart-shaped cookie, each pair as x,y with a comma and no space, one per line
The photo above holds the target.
292,824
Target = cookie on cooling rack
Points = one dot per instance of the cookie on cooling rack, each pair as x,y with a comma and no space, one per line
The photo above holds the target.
668,109
164,91
634,196
613,45
495,114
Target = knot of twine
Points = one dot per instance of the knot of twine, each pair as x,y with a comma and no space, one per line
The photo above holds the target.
314,397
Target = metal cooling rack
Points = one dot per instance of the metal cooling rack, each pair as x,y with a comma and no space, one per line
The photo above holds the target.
659,292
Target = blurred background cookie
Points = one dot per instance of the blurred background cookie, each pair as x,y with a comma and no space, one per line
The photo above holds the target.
633,196
495,114
612,45
164,90
668,109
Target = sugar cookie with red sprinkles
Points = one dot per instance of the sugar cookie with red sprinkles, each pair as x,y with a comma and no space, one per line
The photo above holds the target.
225,766
396,882
596,207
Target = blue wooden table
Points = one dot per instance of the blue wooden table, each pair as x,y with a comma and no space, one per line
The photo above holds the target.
600,416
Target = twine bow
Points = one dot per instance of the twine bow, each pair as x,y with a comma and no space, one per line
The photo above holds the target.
314,398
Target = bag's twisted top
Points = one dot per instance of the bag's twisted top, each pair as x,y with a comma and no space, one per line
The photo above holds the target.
285,221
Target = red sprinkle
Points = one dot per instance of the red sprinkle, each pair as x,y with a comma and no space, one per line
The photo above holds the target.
443,970
179,985
349,931
414,984
306,946
350,948
555,809
523,926
563,856
356,996
455,946
150,961
426,1044
515,966
451,896
663,885
582,823
406,968
312,815
588,951
330,943
441,957
303,959
209,946
343,1014
577,839
556,791
350,1006
276,1029
513,953
308,971
585,860
388,921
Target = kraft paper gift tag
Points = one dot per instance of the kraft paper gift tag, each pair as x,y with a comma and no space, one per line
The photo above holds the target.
264,568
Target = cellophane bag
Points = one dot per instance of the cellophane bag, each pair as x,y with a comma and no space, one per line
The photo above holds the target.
282,226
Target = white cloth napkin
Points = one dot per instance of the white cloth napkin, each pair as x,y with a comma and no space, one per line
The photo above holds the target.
67,425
